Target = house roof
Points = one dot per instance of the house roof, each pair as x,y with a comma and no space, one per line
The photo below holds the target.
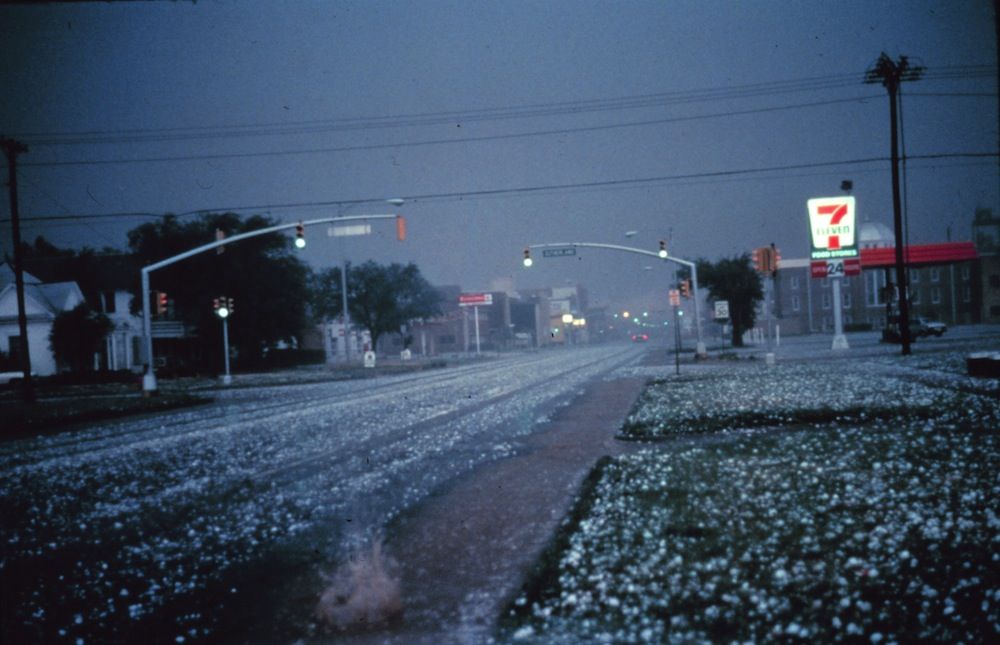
7,276
54,297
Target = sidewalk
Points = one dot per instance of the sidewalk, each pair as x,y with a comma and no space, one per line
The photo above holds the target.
464,552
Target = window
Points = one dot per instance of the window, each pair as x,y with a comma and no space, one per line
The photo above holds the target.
825,283
965,272
447,339
874,284
795,283
846,280
995,281
796,302
136,350
14,349
935,274
826,301
109,302
845,298
936,295
915,296
915,276
966,294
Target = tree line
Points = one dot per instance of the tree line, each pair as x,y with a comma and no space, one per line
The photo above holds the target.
275,294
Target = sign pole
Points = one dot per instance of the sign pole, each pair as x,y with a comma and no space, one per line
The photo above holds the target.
475,315
839,339
677,342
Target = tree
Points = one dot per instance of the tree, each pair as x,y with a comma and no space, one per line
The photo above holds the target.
77,335
381,298
268,283
734,280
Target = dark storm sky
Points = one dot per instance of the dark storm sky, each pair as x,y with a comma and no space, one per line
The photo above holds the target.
502,124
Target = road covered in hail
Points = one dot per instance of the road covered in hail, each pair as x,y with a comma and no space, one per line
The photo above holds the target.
117,529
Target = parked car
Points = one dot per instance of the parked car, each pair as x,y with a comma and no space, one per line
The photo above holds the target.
923,327
919,328
640,338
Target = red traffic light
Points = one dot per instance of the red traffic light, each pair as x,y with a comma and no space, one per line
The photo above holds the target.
161,302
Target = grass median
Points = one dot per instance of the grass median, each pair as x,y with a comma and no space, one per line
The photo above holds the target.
859,517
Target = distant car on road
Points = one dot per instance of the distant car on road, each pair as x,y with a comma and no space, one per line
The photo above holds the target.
640,338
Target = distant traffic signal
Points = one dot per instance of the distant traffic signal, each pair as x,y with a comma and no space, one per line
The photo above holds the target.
400,228
161,302
300,235
663,248
686,288
527,257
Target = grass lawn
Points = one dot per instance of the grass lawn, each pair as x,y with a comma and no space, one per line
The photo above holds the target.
867,513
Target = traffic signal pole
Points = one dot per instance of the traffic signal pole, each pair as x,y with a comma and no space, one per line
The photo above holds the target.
149,378
700,351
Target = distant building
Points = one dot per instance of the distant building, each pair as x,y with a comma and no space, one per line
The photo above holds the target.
42,303
107,282
944,285
986,236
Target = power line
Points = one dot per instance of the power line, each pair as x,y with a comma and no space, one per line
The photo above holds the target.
473,115
428,142
522,190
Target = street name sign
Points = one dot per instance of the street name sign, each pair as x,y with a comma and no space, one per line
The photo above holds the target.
559,252
347,231
832,225
475,299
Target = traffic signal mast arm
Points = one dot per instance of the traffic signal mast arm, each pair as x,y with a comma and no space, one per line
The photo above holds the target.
147,325
629,249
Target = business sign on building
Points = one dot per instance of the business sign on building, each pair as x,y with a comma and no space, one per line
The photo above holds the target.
475,299
833,228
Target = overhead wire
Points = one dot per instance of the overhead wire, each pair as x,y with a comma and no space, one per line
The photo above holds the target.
451,140
471,115
522,190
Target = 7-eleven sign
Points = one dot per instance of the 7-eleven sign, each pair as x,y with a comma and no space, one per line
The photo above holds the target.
833,227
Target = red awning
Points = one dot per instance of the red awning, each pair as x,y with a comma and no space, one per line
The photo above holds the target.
920,254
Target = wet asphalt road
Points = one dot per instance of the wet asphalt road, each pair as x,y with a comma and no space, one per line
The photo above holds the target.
185,526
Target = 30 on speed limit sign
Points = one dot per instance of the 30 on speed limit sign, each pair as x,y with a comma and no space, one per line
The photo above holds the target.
722,309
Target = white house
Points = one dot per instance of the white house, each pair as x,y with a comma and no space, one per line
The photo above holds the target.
42,303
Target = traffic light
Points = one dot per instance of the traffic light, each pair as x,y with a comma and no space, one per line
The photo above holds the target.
161,302
400,228
223,306
300,235
663,248
686,288
232,307
775,259
765,259
527,257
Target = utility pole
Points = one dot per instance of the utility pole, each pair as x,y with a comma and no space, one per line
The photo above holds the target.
890,74
11,149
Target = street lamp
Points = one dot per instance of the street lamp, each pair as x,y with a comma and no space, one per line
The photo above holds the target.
395,201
